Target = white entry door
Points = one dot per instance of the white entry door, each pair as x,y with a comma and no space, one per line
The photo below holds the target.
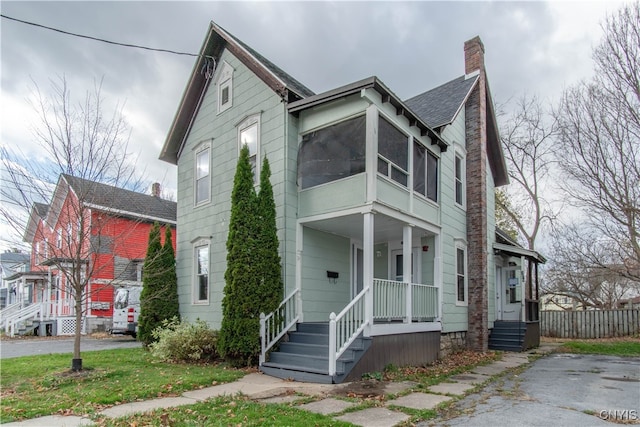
510,294
357,269
397,266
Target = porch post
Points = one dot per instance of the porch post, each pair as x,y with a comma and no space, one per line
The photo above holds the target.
523,291
437,272
367,253
407,257
299,243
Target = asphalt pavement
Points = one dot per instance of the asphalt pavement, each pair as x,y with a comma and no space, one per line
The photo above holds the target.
18,347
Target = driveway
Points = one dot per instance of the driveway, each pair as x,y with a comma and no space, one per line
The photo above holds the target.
46,345
560,389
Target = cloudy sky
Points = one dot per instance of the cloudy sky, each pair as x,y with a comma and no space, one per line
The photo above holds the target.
531,47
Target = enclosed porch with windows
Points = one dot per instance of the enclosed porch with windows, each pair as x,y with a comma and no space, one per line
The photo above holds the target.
367,294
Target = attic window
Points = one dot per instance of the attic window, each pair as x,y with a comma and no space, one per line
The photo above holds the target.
225,87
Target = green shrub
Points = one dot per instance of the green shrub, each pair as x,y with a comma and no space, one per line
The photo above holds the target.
181,341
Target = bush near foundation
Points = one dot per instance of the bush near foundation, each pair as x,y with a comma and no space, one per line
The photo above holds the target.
182,341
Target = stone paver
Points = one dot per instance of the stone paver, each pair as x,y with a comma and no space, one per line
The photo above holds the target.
374,417
146,405
469,378
458,389
399,387
419,400
283,398
327,406
489,370
52,420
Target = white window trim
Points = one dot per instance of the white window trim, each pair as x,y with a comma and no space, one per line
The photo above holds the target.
224,80
249,121
461,153
462,245
426,182
198,150
195,291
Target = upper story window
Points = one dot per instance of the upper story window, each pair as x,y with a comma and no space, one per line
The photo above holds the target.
201,276
393,153
425,172
459,177
225,87
249,135
202,176
332,153
59,238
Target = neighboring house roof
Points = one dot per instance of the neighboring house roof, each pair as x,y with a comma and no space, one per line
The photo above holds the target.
38,213
13,262
124,202
440,106
387,96
216,41
504,243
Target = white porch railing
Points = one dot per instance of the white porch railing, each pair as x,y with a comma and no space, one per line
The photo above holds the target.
31,311
9,310
274,325
345,327
406,302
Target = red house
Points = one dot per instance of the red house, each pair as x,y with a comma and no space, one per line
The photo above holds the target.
93,237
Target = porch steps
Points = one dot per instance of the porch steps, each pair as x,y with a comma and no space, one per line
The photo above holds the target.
305,356
507,336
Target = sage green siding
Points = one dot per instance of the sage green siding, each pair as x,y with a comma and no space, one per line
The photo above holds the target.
454,226
324,252
381,261
210,221
333,196
491,238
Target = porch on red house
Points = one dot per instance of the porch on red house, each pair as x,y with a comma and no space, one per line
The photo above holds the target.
367,294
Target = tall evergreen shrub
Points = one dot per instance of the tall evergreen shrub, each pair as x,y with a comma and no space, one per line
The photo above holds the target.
159,296
253,282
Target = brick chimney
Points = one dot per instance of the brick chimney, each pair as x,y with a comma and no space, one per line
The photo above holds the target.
155,189
477,225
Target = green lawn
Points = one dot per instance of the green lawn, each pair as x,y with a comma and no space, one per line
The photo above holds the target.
42,385
614,347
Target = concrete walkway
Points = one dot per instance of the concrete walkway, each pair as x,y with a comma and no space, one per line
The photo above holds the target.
265,389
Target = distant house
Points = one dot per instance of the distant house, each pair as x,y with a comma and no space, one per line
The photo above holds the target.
11,262
385,212
105,238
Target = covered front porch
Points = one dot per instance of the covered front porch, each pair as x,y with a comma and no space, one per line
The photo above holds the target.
365,273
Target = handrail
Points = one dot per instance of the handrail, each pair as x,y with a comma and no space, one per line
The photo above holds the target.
29,312
277,323
345,327
9,311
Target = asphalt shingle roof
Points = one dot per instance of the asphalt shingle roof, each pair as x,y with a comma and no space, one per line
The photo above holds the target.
288,80
114,198
438,106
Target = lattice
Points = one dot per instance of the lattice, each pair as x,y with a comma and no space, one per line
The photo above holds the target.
67,326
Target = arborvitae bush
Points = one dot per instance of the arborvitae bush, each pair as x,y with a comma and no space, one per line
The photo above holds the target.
253,282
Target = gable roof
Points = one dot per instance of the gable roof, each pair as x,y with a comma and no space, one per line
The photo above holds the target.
505,243
128,203
440,106
38,212
387,96
216,41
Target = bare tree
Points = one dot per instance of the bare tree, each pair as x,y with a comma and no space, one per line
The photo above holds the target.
573,274
76,142
600,141
528,138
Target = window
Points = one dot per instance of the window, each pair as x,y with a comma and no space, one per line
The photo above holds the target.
332,153
225,88
59,238
459,178
201,288
461,275
203,182
393,155
249,135
425,172
69,233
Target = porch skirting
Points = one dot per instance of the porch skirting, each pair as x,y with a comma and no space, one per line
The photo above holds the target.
412,349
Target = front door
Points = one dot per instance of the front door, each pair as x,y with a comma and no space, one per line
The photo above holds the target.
357,269
510,294
397,265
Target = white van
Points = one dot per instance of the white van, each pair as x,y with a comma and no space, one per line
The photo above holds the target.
126,309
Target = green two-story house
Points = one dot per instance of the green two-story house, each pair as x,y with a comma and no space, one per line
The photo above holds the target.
385,209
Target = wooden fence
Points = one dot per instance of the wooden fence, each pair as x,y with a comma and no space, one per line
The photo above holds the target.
589,324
